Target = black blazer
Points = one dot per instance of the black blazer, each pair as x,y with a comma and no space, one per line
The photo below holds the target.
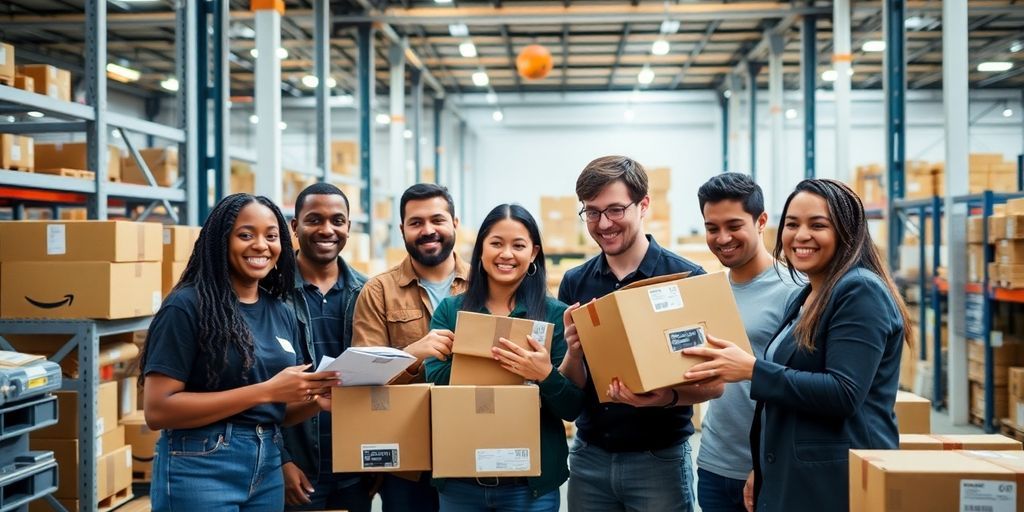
819,404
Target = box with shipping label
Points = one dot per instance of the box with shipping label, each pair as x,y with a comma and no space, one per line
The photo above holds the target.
975,263
958,442
381,428
94,240
920,185
485,431
127,395
480,371
636,334
74,155
80,290
913,413
49,80
142,440
113,349
17,152
179,242
476,333
7,62
162,164
69,415
935,481
113,469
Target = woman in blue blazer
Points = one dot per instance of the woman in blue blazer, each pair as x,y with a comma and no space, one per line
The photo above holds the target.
829,377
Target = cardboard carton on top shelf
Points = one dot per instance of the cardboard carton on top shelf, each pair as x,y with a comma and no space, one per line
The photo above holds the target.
49,80
73,155
94,240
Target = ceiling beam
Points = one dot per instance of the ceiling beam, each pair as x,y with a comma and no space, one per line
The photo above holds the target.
511,54
618,54
694,53
979,55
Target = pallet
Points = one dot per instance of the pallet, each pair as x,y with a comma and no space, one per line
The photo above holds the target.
142,504
115,500
7,80
1011,430
70,173
977,421
20,168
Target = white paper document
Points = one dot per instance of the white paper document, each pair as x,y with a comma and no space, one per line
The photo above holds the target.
367,366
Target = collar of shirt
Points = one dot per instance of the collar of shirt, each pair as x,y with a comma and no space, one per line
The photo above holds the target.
407,274
648,266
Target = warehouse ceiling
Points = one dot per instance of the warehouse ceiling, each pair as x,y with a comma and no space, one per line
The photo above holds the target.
596,45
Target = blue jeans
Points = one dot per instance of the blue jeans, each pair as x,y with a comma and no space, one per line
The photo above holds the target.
716,493
458,496
659,480
400,495
218,468
340,493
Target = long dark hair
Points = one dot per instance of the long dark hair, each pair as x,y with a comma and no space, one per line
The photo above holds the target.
221,325
532,292
854,248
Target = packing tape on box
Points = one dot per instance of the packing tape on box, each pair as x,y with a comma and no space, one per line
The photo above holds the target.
947,443
138,270
380,398
484,400
502,329
140,235
592,310
993,457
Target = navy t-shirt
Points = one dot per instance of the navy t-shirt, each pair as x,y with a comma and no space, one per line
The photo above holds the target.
173,350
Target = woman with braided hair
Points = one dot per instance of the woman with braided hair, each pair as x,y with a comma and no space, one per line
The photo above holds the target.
221,372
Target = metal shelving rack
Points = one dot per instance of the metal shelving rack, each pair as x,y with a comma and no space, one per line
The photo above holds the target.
86,340
95,121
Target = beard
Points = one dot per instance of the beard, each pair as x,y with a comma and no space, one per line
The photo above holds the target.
430,260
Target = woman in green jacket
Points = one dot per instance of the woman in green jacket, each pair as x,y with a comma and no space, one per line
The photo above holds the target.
508,278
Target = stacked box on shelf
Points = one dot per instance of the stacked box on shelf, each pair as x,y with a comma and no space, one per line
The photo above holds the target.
294,182
73,155
920,180
17,152
162,163
242,178
7,72
49,80
79,269
975,249
25,83
869,184
1003,357
561,224
178,244
1016,397
1010,248
345,157
988,171
658,222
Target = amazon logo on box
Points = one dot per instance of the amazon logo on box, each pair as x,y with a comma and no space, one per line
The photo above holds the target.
82,289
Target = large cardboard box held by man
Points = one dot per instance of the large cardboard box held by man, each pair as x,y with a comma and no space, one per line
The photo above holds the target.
94,289
381,428
485,431
94,240
636,334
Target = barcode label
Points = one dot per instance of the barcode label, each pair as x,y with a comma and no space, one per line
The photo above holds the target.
502,459
665,298
378,456
988,496
56,239
15,151
540,332
167,236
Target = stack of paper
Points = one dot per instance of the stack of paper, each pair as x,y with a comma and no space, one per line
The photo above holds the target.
367,366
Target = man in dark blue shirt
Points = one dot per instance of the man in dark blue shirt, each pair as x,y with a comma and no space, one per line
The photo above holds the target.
633,454
323,300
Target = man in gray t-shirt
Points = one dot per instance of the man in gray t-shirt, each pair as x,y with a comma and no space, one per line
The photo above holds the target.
734,220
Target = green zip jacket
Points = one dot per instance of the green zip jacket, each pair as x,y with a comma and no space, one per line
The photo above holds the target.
560,399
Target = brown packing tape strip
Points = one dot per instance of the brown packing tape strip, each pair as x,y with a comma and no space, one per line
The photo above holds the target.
140,235
484,400
380,398
502,329
138,270
592,310
947,443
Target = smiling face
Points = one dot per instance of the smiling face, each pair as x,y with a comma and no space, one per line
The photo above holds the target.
322,228
254,244
507,252
429,230
616,236
808,236
732,234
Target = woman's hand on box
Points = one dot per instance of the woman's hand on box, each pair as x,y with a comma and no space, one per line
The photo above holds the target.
726,361
533,364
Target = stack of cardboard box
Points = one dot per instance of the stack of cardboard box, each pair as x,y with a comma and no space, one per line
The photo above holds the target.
1016,412
1003,357
345,157
913,413
17,153
178,244
921,179
114,462
48,80
988,171
869,184
975,249
242,177
66,158
7,73
79,269
162,163
1010,247
561,223
658,223
294,182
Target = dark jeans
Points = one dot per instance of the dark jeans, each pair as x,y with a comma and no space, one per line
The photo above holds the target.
340,494
717,493
400,495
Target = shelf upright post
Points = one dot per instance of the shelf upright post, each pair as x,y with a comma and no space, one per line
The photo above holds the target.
922,215
438,148
396,98
936,304
322,65
220,92
268,98
86,385
723,103
809,80
202,94
776,113
842,60
986,319
365,78
895,116
96,96
417,122
188,107
752,70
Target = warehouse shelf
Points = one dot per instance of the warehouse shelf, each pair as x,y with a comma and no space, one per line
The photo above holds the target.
32,180
995,293
85,340
14,98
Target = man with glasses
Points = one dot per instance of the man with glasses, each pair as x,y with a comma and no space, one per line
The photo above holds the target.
633,454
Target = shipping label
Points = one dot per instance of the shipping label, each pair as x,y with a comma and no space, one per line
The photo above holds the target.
685,337
665,298
380,456
502,459
56,239
540,332
988,496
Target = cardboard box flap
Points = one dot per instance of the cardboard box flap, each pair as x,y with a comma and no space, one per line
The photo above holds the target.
656,280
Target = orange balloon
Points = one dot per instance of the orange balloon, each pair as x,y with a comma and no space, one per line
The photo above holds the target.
534,62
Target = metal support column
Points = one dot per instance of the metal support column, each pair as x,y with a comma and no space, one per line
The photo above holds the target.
895,116
365,80
219,162
201,90
185,59
462,166
776,46
723,102
752,71
268,102
417,123
96,130
396,95
936,304
809,81
735,86
322,68
842,61
438,147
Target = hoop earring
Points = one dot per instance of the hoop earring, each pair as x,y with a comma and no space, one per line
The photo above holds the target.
532,269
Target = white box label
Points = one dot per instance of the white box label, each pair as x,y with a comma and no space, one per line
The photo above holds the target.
99,446
540,332
15,151
3,55
56,239
988,496
167,236
156,301
379,456
502,459
1020,413
665,298
99,426
52,91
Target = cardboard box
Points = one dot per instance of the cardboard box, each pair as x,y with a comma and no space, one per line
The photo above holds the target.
1017,412
997,225
142,440
25,83
934,481
958,442
344,157
869,184
179,242
127,395
170,274
975,262
1014,206
73,155
920,184
96,240
79,289
1000,398
7,62
637,333
976,373
476,333
113,470
49,80
69,415
17,153
1010,252
485,431
1016,377
162,163
660,207
975,229
559,208
480,371
381,428
659,179
1013,227
1006,354
913,413
382,210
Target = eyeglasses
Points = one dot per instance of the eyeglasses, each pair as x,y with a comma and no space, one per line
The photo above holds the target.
614,212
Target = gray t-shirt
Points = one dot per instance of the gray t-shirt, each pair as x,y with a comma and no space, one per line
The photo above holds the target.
725,431
438,291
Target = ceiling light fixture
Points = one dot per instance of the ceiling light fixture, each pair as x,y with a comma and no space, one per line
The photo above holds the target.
458,30
492,97
122,73
497,115
646,75
629,115
282,125
670,26
170,84
660,47
36,114
1016,46
480,79
383,119
254,118
873,46
467,49
791,113
995,66
331,82
829,75
407,134
1007,112
310,81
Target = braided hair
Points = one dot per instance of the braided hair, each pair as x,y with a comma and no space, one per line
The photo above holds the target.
221,324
